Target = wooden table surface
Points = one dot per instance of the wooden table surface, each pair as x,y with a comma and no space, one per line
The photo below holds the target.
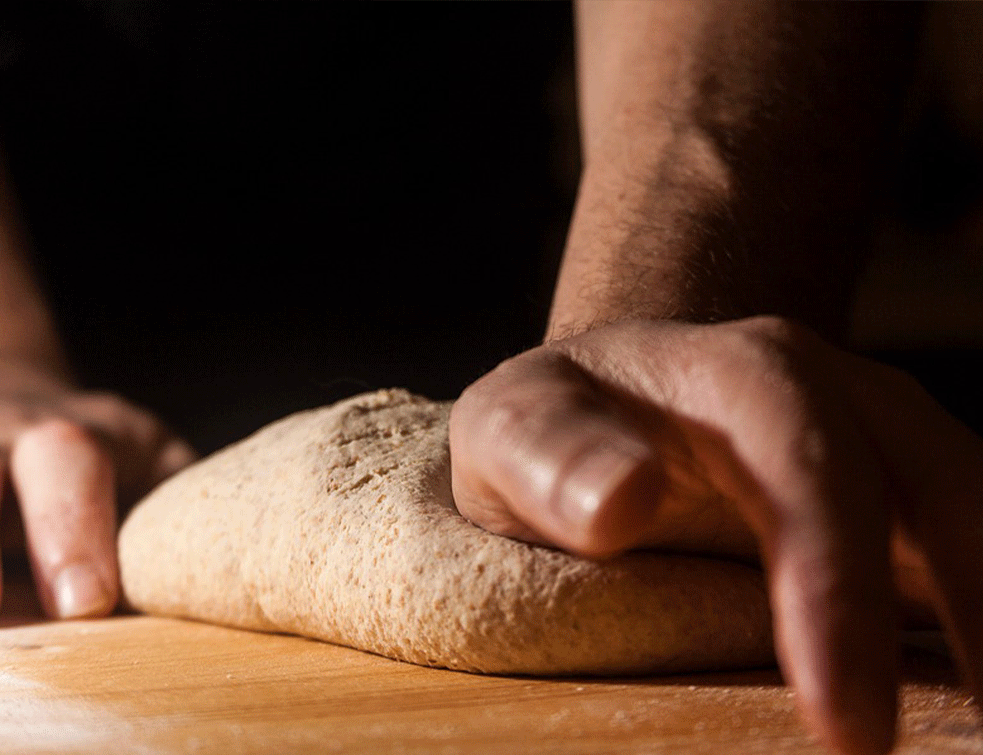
135,684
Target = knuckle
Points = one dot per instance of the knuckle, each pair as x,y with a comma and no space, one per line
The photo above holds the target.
99,400
505,420
58,431
533,419
122,424
521,397
482,399
776,328
772,356
108,409
808,451
102,408
774,340
53,435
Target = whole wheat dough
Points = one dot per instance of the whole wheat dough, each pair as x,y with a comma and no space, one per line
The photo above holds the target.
338,524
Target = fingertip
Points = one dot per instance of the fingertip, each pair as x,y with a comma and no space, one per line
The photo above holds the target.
840,656
857,737
963,622
65,483
79,591
859,719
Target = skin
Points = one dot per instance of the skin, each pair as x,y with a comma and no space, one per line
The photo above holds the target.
691,395
71,457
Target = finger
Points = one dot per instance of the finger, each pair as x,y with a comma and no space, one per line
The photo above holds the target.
814,498
956,564
537,452
938,463
832,598
801,469
64,481
145,451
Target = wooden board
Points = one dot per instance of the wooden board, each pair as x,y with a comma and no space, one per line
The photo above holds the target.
149,685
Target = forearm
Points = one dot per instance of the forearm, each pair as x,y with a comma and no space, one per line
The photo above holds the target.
733,155
28,336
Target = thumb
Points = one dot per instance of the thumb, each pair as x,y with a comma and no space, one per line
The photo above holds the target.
539,452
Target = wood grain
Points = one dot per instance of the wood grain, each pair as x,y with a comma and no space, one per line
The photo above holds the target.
150,685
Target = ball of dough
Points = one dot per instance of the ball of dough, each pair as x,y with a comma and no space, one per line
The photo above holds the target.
339,524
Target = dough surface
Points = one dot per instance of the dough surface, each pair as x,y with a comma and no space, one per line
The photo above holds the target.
338,524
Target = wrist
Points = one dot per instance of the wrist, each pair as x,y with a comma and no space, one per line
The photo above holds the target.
653,242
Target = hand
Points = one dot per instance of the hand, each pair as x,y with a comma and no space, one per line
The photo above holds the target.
726,438
68,456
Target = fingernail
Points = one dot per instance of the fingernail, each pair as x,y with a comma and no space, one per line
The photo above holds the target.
595,479
79,592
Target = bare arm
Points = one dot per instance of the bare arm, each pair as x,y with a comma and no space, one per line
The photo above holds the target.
733,155
27,332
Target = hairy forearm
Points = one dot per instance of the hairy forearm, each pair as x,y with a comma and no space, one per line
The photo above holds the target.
28,336
733,156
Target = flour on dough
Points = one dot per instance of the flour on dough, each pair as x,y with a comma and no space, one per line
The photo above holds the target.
338,524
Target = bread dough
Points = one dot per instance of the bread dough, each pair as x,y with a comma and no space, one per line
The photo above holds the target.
338,523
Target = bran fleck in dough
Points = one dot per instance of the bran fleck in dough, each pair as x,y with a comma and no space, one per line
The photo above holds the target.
338,524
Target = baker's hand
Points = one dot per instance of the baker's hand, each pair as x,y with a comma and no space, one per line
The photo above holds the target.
720,438
68,456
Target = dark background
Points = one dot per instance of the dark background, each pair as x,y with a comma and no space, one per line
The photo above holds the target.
244,209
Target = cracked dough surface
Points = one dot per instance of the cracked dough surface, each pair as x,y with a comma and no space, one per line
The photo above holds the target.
338,524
